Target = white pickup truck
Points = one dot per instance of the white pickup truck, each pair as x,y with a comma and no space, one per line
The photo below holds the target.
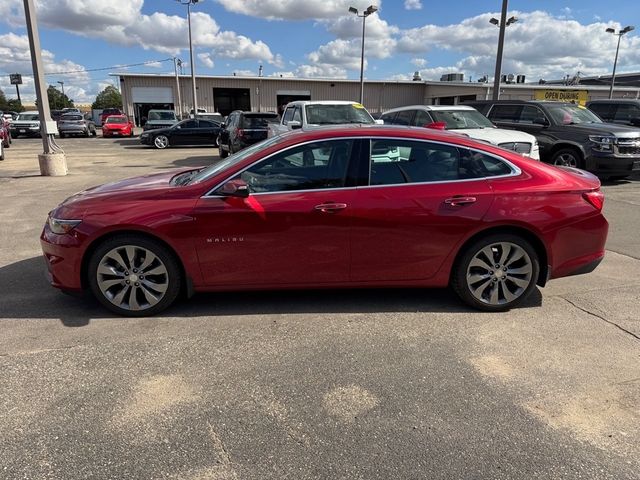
307,113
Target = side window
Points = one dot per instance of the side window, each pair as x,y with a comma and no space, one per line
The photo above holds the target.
389,118
307,167
474,164
529,114
404,117
625,113
421,119
288,115
602,110
297,115
504,113
189,124
404,161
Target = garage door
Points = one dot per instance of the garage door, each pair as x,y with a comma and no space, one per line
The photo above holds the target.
152,94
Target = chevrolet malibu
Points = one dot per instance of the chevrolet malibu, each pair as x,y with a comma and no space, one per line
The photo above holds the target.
318,209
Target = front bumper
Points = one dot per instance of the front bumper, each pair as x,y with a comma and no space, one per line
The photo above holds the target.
610,164
146,139
63,258
71,129
116,132
18,130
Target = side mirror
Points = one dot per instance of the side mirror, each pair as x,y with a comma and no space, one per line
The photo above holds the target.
294,124
540,121
379,121
234,188
436,125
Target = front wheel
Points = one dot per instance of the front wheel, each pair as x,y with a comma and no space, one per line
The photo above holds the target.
134,276
161,141
496,273
567,157
223,152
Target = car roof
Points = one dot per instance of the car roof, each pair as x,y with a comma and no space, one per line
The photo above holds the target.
615,100
322,102
31,112
430,108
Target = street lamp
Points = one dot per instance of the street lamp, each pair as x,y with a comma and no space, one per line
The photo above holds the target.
370,9
502,24
626,29
188,3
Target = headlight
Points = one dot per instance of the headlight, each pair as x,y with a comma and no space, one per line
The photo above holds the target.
602,143
60,227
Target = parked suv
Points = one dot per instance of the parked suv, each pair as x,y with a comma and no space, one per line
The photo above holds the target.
465,120
160,119
76,124
27,123
243,129
623,111
570,135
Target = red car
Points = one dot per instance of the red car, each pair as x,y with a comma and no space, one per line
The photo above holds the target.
338,207
117,125
5,133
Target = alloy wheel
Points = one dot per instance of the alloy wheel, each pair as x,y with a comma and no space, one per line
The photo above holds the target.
161,141
499,273
132,277
566,160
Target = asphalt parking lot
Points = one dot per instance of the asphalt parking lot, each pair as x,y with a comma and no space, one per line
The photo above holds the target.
321,384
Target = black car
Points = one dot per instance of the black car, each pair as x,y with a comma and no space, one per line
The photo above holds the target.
187,132
623,111
570,135
243,129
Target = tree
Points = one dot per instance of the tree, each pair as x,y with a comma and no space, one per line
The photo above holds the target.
110,97
9,105
58,100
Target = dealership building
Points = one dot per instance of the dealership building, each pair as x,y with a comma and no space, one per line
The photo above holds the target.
223,94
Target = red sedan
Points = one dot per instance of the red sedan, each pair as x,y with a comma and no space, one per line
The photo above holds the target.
339,207
117,125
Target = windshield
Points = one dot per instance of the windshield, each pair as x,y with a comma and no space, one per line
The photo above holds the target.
162,115
258,121
234,159
461,119
337,114
572,114
116,120
28,116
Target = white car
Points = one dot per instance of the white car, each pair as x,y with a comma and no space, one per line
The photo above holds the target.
466,121
308,113
27,124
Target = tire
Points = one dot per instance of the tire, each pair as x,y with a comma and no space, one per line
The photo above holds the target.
87,133
114,263
223,152
567,157
485,287
61,135
161,141
1,153
94,133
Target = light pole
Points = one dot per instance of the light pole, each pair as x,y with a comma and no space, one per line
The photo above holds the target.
177,61
188,3
62,85
626,29
370,9
503,23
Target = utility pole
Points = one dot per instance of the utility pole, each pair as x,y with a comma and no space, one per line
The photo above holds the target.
175,68
503,26
188,3
52,161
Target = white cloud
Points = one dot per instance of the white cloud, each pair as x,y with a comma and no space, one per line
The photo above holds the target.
322,70
419,62
287,74
295,9
206,60
245,73
412,4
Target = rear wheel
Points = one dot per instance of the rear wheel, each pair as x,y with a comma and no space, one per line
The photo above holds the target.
134,276
161,141
496,273
223,152
567,157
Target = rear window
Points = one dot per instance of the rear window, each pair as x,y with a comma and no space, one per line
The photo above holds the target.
258,121
162,115
111,111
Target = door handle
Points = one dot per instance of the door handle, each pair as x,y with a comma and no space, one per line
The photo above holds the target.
330,207
460,201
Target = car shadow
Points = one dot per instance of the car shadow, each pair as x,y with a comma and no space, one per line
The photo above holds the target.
622,181
196,161
26,294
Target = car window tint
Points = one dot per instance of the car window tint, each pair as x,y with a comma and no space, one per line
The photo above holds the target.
401,161
297,115
421,119
602,110
258,121
206,124
625,113
307,167
404,117
389,118
529,114
189,124
507,113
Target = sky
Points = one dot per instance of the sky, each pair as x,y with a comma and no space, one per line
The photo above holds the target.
314,38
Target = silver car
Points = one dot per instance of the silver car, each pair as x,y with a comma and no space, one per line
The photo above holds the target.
76,124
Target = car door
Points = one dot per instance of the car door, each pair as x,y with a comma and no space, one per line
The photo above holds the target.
416,208
207,132
533,120
421,118
294,227
185,133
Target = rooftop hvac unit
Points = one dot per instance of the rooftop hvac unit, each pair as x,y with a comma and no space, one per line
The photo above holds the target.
417,77
520,79
452,77
503,79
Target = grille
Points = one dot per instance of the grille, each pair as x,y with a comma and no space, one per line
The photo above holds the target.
628,147
519,147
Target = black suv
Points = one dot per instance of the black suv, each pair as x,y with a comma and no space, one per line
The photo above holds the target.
570,135
242,129
622,111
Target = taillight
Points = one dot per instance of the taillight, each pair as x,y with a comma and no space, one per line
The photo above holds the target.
240,132
595,198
